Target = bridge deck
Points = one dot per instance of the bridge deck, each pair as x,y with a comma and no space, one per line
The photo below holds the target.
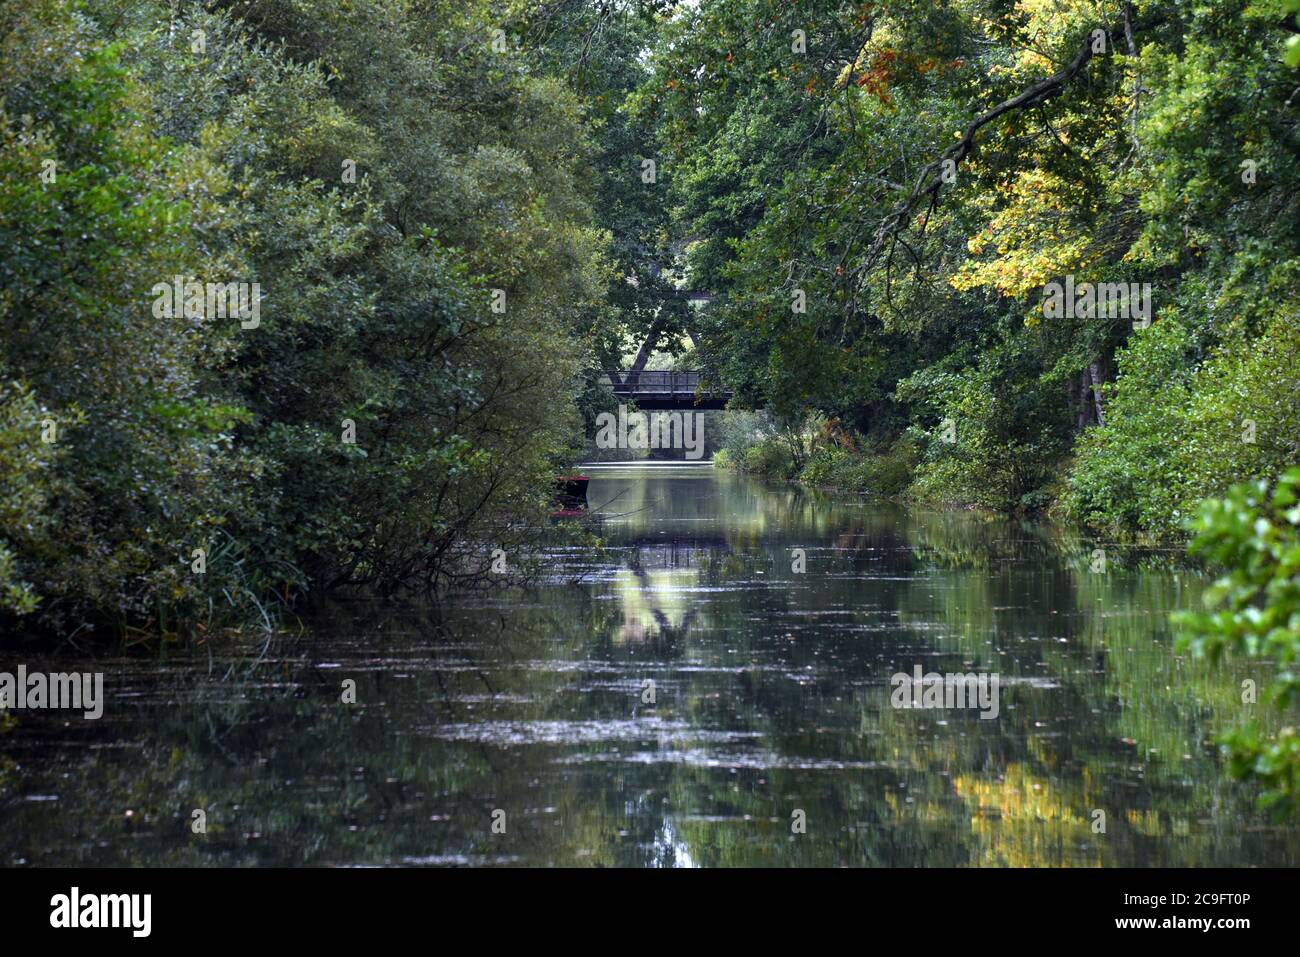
666,390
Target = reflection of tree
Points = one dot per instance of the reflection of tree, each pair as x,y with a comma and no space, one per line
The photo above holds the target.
668,639
1098,713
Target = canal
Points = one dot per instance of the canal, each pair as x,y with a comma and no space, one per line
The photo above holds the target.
711,688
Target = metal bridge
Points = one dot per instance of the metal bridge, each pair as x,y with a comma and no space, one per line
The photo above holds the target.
666,390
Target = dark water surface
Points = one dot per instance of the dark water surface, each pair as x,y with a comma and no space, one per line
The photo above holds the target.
771,696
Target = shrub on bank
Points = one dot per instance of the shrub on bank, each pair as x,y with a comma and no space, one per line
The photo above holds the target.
991,428
1233,414
888,471
831,457
770,458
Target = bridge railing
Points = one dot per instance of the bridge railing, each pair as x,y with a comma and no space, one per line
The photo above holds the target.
655,383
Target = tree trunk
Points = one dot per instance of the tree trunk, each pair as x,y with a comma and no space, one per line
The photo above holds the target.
1074,402
643,356
1094,373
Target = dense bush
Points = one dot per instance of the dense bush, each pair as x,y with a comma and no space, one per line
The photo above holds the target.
25,490
380,424
819,452
996,426
95,209
1181,428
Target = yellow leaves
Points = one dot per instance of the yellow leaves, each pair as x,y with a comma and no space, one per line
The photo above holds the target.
1031,61
1033,236
1049,22
1055,17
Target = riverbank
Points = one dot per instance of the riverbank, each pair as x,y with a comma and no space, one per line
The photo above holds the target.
920,470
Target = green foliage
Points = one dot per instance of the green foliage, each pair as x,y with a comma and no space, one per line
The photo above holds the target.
818,452
1007,426
1292,48
143,457
771,458
888,472
25,491
1171,159
823,464
224,161
1216,419
1253,609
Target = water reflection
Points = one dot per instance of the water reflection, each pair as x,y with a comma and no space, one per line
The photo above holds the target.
770,694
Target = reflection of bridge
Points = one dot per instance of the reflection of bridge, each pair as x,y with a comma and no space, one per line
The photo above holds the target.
665,390
648,553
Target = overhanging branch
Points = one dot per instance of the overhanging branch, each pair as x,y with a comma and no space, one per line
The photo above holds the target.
930,181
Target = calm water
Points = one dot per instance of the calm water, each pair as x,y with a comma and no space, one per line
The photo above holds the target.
771,695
